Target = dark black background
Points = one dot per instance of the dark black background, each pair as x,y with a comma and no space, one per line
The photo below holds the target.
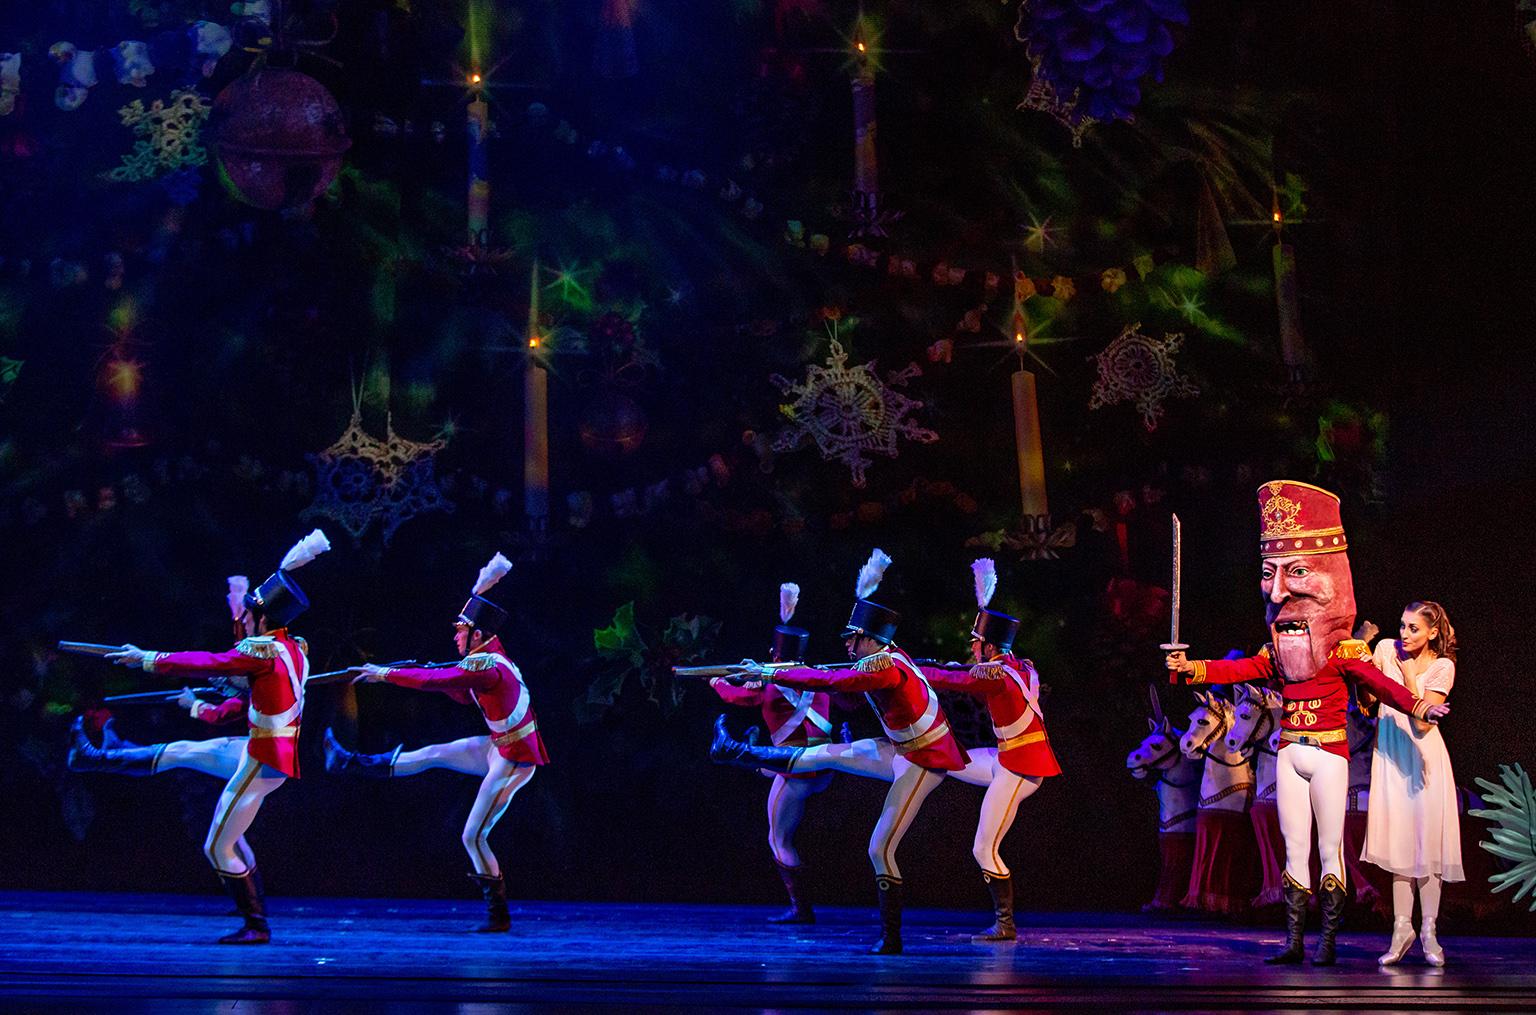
1413,122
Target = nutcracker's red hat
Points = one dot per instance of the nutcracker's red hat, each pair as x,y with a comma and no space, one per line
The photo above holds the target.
1298,518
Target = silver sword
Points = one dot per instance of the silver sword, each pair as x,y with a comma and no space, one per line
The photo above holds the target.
1174,644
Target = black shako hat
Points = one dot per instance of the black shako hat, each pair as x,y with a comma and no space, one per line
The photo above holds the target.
279,600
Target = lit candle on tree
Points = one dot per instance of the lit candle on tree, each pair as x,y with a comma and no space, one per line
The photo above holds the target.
1026,432
866,173
478,126
1293,348
535,418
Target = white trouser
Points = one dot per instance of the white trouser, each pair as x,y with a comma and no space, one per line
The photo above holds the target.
905,798
1311,781
470,756
874,758
247,787
786,806
218,757
877,758
999,805
500,781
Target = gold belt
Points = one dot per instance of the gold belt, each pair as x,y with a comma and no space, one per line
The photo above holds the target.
939,732
1315,739
513,736
282,731
1022,740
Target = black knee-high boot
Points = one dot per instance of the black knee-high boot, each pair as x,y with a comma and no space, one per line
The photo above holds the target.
1296,899
727,750
261,892
799,910
246,892
1002,928
85,756
110,738
890,916
340,761
1331,897
494,889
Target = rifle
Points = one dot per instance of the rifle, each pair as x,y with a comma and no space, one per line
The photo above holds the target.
336,676
742,670
349,674
86,648
161,697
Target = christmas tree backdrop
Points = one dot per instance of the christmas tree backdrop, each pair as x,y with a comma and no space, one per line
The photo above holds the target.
671,303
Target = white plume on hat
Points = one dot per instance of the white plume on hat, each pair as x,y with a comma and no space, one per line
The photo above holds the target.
239,585
985,572
789,598
491,573
871,573
304,551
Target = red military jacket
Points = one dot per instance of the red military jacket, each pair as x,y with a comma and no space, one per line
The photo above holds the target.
275,665
1318,706
794,718
488,680
908,708
1011,689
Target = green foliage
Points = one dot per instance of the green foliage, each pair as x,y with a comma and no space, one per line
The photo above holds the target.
1513,813
629,654
620,639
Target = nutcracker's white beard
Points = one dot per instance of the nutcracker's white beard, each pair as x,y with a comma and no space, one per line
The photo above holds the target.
1293,650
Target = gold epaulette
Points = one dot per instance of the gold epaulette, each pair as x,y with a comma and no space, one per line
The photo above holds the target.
1264,651
1352,648
987,671
875,663
301,643
478,661
258,646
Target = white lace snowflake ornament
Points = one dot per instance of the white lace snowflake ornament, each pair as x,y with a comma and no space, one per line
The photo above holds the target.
361,479
169,136
1138,368
849,413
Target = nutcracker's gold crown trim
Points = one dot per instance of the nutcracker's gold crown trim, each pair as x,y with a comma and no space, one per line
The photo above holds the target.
1298,518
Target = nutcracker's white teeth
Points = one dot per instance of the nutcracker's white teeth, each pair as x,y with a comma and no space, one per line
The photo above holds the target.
1292,641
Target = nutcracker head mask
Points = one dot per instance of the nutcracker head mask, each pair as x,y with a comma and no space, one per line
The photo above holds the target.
1309,594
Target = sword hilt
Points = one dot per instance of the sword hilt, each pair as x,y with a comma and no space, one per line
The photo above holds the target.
1173,646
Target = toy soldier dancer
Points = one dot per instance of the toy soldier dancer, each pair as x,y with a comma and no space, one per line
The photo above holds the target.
275,664
1023,759
794,719
504,759
217,756
909,711
1310,606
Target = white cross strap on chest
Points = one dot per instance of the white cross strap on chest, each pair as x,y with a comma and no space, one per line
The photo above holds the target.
298,672
519,711
1030,688
925,722
802,702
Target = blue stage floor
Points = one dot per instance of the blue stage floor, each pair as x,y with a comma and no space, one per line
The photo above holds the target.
144,953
